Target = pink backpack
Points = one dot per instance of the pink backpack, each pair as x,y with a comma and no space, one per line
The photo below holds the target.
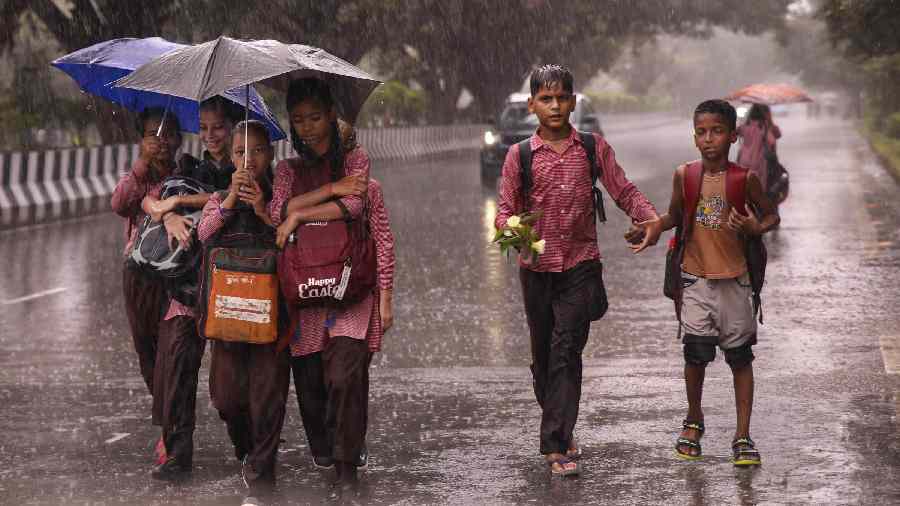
328,263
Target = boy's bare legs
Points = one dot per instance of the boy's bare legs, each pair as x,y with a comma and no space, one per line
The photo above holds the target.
693,379
743,399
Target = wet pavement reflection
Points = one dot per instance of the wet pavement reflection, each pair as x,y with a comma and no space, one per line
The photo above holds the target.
453,418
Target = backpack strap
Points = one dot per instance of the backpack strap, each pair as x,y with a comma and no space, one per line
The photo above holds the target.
755,250
736,187
527,176
590,148
690,184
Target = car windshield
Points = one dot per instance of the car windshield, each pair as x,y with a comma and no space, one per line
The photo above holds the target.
517,117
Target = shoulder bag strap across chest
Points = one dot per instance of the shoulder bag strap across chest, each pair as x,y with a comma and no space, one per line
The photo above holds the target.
590,149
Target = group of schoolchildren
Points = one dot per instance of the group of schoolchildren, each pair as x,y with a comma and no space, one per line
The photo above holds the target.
328,347
718,208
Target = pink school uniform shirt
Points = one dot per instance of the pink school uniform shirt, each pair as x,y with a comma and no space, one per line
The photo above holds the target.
561,189
752,153
380,227
351,321
128,194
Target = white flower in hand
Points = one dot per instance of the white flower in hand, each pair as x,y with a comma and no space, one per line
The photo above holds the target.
508,232
538,246
512,221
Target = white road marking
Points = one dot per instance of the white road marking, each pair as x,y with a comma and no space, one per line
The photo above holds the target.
117,436
35,295
890,353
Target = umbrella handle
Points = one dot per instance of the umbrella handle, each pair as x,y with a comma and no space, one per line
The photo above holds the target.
163,120
246,119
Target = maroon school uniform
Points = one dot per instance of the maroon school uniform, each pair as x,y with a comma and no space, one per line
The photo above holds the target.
320,377
248,383
559,287
144,296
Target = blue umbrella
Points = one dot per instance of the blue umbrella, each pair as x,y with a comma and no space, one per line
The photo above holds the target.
95,67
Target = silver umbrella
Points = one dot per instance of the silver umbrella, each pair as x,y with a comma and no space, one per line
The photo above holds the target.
204,70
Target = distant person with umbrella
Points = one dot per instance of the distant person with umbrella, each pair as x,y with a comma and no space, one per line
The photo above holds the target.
759,135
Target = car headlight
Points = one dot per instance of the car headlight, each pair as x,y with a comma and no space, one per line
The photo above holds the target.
489,138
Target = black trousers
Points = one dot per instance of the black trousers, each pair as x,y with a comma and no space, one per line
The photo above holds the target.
175,385
249,384
557,305
145,305
333,395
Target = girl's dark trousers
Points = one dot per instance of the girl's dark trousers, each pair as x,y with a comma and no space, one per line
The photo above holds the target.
333,393
145,304
557,309
249,386
175,386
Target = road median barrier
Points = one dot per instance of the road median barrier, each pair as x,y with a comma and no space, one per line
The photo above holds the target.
44,186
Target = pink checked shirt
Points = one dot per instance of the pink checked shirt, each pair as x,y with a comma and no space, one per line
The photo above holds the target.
352,321
126,198
380,227
561,188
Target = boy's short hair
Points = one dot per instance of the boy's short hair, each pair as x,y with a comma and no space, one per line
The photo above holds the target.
155,113
546,76
228,109
720,107
255,126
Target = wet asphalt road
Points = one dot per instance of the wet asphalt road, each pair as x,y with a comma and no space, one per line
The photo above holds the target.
453,418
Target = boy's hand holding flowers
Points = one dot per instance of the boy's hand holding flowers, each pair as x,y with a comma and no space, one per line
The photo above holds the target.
518,233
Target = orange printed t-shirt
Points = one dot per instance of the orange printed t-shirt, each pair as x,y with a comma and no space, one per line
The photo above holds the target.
713,251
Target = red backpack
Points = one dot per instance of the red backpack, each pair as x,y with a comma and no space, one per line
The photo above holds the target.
330,262
754,248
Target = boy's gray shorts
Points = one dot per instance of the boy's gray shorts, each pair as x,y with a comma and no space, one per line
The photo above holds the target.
718,311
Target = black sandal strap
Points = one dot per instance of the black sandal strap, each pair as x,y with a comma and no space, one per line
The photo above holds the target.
687,442
697,426
744,441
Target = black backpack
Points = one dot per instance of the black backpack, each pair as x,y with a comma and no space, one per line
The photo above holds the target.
152,253
590,147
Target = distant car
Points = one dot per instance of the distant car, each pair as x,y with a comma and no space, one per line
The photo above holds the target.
515,124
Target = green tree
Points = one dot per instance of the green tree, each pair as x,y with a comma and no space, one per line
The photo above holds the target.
864,32
79,23
489,47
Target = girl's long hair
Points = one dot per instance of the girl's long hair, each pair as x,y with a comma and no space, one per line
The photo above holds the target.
311,88
758,113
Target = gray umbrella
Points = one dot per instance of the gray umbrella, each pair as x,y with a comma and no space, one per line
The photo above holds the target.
204,70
